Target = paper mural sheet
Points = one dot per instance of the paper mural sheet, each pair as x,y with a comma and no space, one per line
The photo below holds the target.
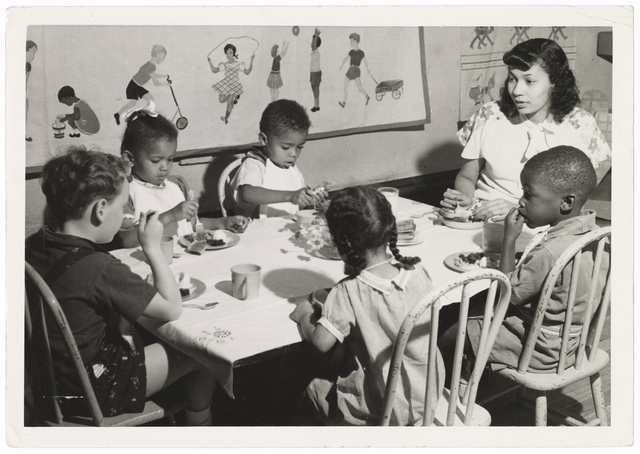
216,100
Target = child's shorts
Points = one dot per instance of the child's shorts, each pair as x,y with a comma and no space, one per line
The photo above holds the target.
316,77
135,91
118,377
353,72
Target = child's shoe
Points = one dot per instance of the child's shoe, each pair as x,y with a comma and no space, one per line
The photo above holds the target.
342,104
367,101
117,117
198,418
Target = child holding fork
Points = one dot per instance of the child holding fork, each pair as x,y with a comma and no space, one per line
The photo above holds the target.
149,148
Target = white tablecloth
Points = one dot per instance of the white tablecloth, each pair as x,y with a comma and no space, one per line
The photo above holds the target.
234,331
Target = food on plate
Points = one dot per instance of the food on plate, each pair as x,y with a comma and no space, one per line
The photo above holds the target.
184,283
219,235
460,214
213,238
406,230
474,260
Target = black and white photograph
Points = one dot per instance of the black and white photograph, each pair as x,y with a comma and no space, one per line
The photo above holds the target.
260,226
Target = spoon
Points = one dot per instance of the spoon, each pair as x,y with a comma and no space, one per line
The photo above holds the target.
204,307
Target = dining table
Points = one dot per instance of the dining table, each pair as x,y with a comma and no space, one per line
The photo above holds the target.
235,333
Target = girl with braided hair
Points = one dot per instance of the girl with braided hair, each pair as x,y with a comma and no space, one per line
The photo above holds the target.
362,315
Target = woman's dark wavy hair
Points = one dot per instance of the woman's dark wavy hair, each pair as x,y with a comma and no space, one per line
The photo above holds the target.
550,56
360,219
72,181
143,129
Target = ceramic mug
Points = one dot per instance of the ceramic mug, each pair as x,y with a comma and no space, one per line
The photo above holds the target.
245,281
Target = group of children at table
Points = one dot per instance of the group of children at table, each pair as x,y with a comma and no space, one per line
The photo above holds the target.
94,197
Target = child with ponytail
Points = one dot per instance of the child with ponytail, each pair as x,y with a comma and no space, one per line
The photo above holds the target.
363,314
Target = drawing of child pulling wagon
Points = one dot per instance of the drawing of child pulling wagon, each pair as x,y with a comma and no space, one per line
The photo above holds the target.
395,86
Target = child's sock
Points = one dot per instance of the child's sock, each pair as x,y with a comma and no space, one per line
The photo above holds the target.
198,418
151,109
465,376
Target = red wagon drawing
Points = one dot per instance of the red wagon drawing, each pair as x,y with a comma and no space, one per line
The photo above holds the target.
394,86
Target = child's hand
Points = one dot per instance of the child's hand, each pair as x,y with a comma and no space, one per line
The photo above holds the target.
150,229
184,210
513,223
237,224
303,308
495,209
303,197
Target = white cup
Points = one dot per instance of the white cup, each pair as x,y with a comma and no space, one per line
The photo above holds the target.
245,281
305,217
392,195
166,244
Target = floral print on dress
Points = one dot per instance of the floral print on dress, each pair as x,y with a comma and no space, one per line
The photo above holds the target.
477,121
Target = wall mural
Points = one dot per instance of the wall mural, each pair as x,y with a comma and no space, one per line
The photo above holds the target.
482,72
87,80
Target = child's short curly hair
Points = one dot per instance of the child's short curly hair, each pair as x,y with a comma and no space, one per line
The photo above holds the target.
72,181
550,56
360,219
284,115
565,170
143,129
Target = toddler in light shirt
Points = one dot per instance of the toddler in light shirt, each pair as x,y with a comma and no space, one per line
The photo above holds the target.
149,148
268,182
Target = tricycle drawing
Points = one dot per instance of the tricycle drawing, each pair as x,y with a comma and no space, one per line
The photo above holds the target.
395,86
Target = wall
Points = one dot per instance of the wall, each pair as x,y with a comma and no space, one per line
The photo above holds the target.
383,156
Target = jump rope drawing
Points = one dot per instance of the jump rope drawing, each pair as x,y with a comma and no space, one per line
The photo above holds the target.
230,88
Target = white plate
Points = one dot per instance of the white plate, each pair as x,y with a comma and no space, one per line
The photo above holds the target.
419,238
460,225
233,239
449,263
199,290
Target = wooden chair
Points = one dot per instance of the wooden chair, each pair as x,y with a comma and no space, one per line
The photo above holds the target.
46,405
451,411
223,183
589,359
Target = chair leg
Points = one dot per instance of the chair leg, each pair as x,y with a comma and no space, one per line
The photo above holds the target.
598,398
541,408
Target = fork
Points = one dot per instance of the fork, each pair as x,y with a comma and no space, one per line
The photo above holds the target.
200,232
